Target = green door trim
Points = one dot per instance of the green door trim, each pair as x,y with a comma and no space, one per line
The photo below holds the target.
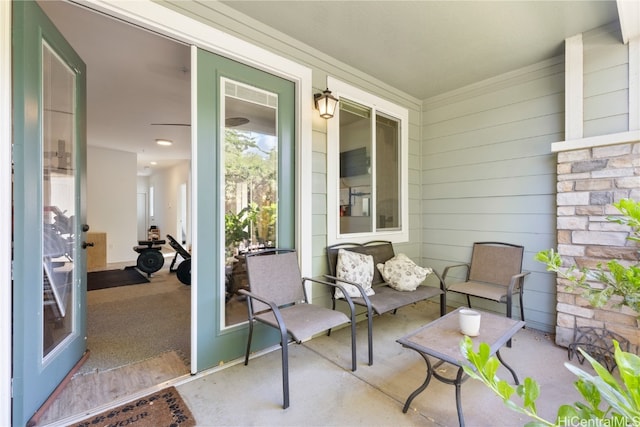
216,344
34,378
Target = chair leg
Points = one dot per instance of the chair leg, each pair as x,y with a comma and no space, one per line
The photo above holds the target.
353,347
469,301
285,372
370,336
246,355
521,308
509,315
333,307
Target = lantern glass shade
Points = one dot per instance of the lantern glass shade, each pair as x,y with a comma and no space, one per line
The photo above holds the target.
326,104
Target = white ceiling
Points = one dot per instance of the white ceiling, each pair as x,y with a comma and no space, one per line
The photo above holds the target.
423,48
134,78
428,47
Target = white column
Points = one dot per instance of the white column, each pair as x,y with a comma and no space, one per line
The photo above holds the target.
573,87
634,83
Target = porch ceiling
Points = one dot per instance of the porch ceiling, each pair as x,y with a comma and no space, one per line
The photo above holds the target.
424,48
428,47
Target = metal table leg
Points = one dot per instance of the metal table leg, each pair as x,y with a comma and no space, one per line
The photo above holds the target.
422,387
431,372
513,373
458,383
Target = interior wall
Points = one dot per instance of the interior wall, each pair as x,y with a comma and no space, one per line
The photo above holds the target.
166,183
142,195
488,174
111,200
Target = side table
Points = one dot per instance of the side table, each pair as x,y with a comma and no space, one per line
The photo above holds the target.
441,338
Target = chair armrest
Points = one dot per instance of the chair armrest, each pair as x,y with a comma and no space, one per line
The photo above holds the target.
441,280
517,279
334,285
271,304
344,292
349,282
250,295
446,270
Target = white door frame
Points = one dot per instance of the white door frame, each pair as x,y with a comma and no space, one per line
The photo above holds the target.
5,212
165,21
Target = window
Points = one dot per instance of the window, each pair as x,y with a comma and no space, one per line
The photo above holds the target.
253,154
366,168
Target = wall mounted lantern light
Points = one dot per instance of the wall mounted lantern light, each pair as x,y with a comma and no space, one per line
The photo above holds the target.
326,103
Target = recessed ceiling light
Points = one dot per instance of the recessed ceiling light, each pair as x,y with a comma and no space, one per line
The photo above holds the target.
164,142
153,163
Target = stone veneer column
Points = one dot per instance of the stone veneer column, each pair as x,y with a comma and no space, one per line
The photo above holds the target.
589,181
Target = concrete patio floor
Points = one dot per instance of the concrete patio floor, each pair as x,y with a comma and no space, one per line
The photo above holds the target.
325,392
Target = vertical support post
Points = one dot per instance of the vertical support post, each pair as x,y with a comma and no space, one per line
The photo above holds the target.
573,87
634,83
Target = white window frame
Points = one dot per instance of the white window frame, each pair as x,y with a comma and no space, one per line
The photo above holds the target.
377,105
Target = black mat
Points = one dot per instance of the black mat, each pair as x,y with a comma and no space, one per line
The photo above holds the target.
113,278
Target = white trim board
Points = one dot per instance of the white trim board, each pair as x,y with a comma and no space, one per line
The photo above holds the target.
634,83
596,141
5,212
574,91
629,13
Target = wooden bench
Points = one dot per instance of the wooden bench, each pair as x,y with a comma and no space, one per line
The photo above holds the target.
386,298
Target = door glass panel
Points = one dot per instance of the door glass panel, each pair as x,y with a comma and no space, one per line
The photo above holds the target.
250,184
59,200
355,167
387,172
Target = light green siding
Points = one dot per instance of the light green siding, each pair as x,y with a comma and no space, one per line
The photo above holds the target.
488,174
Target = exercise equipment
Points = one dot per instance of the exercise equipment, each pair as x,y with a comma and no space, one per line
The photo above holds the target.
150,259
183,271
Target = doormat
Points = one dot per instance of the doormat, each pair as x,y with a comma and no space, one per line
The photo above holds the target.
162,409
113,278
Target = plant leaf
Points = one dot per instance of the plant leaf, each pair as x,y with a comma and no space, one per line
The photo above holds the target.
529,391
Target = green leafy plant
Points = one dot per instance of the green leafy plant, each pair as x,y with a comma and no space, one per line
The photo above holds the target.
621,402
616,278
237,227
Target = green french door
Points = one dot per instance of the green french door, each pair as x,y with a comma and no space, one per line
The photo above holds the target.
245,169
49,261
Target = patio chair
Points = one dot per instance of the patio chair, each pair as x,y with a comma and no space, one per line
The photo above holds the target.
277,297
494,273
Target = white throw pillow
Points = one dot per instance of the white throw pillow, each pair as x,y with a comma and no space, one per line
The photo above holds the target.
402,274
357,268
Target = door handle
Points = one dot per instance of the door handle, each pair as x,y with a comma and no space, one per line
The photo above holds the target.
85,227
85,245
